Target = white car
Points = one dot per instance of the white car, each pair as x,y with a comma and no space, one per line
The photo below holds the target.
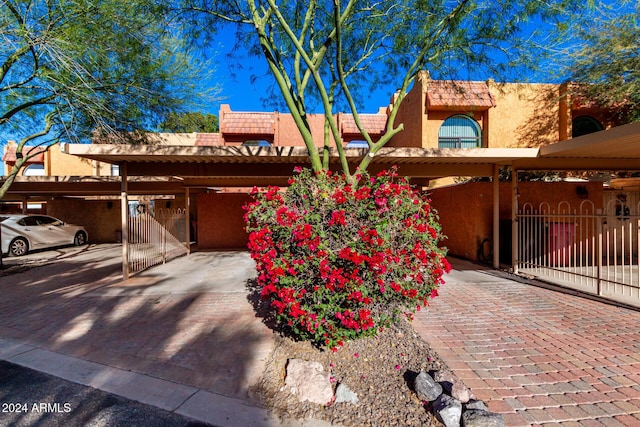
24,233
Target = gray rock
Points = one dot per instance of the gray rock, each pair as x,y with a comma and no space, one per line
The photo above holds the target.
346,395
308,381
479,418
426,387
448,410
452,385
476,404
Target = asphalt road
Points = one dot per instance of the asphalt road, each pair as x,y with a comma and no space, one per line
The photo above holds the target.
32,398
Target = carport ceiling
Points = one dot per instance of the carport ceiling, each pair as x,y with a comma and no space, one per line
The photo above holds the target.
237,162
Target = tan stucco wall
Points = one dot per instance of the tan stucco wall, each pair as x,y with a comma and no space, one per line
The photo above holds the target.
525,115
101,218
466,210
411,116
221,221
58,163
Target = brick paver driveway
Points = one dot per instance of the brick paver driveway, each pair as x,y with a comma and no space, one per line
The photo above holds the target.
538,356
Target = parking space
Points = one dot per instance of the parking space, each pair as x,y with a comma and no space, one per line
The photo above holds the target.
188,321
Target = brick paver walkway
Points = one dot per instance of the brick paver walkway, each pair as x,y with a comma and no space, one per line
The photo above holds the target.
538,356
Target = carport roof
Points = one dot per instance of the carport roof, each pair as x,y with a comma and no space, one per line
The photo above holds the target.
158,169
210,161
615,149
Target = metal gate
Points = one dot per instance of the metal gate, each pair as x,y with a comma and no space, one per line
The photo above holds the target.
155,239
588,249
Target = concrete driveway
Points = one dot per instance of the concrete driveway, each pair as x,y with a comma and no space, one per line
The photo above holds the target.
181,336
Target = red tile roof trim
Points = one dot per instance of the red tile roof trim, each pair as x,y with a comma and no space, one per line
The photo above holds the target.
208,139
242,123
10,154
373,123
447,94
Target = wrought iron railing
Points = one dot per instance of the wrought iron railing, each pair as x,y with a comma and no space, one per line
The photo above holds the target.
592,250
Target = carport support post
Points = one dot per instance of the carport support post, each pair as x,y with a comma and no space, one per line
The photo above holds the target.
187,220
124,209
514,220
496,216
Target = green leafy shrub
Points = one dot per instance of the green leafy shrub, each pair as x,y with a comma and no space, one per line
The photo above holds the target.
338,261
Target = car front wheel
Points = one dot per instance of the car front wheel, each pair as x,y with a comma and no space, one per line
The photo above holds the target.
80,238
19,246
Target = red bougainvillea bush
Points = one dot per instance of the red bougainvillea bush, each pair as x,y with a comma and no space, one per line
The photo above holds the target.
338,261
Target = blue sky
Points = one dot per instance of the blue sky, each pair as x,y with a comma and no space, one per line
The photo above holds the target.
242,92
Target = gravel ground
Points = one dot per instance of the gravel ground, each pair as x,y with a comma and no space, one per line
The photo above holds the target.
379,370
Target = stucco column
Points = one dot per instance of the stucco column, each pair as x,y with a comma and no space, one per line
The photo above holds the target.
514,220
124,204
496,216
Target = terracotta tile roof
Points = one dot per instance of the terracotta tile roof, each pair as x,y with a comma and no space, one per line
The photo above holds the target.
372,123
243,123
446,94
10,154
208,139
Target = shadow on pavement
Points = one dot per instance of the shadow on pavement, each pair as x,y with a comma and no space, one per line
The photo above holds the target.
203,336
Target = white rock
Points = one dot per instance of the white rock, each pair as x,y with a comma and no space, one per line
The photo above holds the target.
345,395
309,381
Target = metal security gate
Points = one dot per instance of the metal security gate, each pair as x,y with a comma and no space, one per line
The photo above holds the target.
155,238
588,249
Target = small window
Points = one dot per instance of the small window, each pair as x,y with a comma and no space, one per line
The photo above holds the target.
115,170
35,169
357,144
459,132
256,143
584,125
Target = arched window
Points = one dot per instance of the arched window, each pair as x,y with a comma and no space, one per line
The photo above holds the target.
583,125
459,132
35,169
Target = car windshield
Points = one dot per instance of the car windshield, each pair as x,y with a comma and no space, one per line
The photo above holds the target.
2,218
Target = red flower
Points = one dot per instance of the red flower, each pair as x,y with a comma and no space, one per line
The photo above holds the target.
338,217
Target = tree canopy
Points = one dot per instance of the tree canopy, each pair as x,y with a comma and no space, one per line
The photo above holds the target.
329,53
607,60
69,69
190,122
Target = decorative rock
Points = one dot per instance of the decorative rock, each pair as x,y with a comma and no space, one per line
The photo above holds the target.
426,388
476,404
308,381
346,395
479,418
452,385
448,410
